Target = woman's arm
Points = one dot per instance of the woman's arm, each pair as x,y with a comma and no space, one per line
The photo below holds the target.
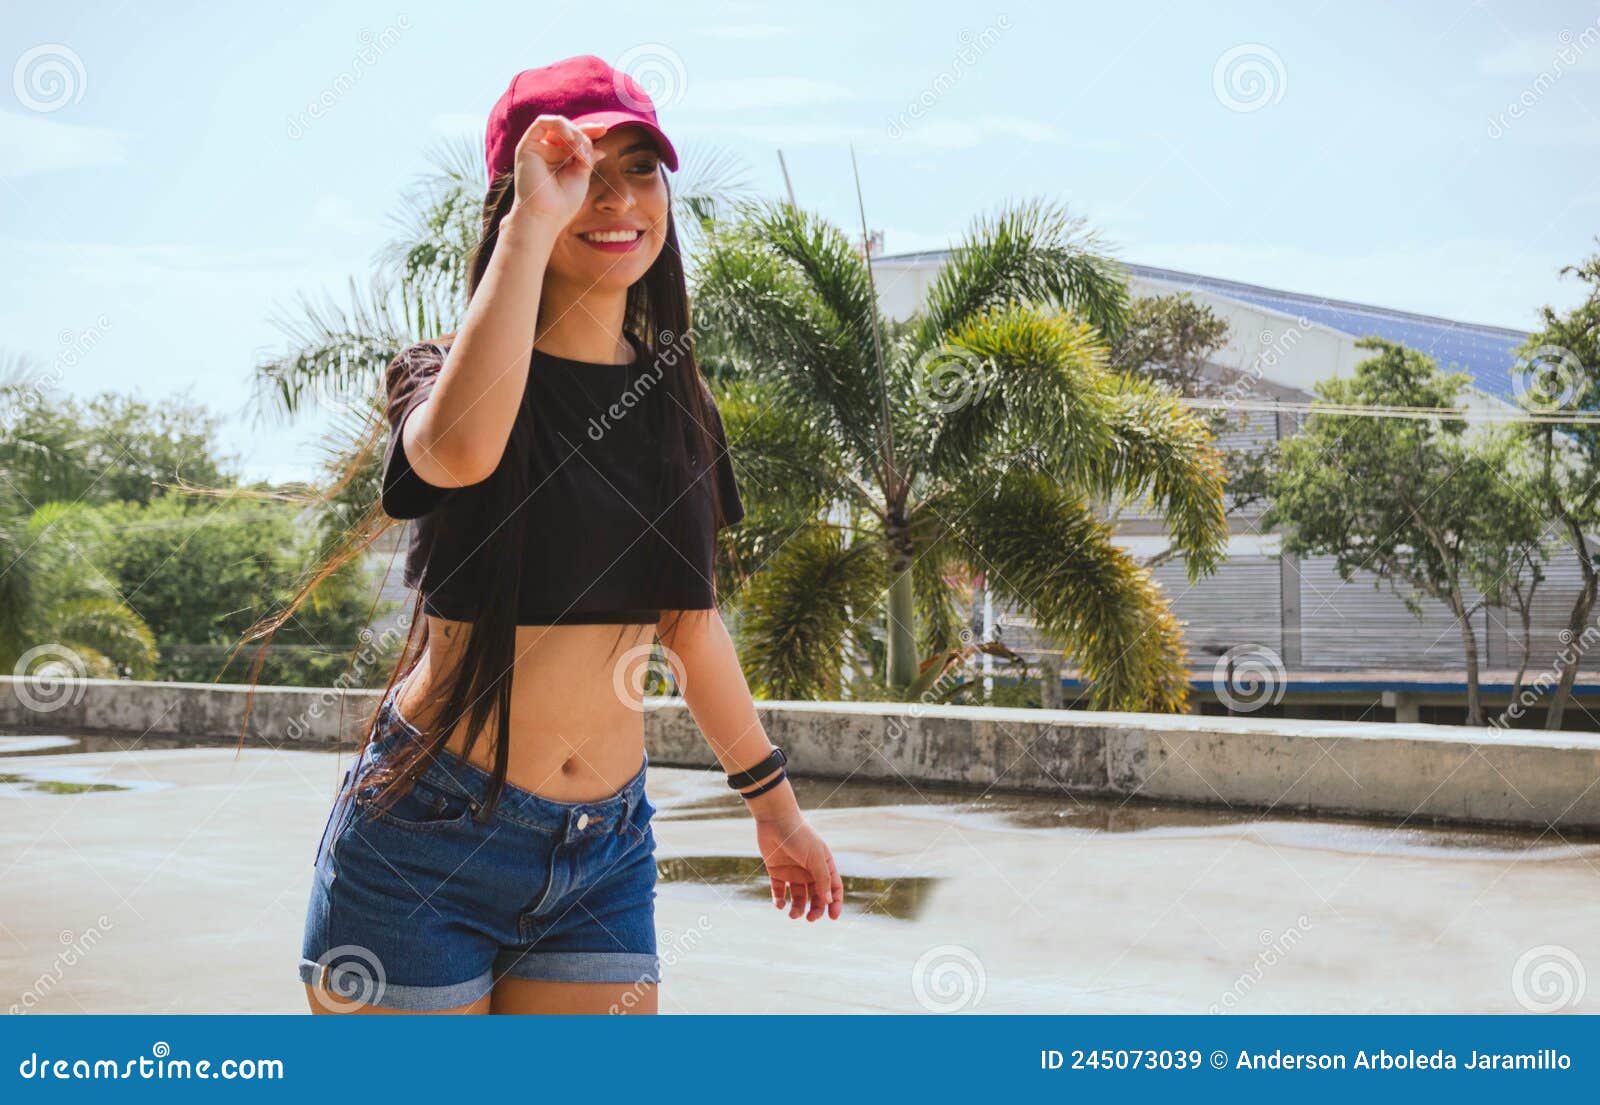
714,688
457,436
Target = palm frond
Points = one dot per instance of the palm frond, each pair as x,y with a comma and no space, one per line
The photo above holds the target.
105,624
772,322
436,230
1163,452
712,182
1044,552
1033,252
1015,380
793,628
785,460
337,354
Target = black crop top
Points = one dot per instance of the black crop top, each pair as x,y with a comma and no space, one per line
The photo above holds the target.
588,435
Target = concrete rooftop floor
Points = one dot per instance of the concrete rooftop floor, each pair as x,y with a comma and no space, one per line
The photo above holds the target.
186,892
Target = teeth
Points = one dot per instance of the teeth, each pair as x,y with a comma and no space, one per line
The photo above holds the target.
611,235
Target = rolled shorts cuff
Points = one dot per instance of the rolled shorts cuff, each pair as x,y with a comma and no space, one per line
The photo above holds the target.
580,967
385,995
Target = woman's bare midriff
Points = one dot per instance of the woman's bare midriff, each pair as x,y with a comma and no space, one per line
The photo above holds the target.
577,723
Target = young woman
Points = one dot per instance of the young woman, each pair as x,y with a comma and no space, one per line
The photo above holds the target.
565,471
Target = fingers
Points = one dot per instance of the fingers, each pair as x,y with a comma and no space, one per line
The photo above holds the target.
836,885
557,140
821,885
777,893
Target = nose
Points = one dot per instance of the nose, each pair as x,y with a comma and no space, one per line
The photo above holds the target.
610,199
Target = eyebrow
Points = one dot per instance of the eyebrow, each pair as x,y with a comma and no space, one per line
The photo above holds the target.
641,144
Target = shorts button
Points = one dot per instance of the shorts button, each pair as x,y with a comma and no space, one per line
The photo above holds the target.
583,821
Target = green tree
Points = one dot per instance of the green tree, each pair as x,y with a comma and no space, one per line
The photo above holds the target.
60,615
1418,502
1559,372
114,448
978,436
199,569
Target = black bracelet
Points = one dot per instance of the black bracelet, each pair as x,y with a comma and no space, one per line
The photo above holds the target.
775,758
764,787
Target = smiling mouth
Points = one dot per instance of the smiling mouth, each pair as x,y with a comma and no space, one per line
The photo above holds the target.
611,237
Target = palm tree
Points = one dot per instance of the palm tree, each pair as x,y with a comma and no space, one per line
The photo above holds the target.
887,459
60,616
336,353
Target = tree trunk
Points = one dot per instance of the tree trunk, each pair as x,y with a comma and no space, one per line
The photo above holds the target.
1567,660
1469,643
901,633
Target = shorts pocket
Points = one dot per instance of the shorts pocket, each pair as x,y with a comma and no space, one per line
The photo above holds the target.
424,808
339,800
638,826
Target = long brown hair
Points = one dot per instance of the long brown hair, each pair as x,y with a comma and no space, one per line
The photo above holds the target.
657,313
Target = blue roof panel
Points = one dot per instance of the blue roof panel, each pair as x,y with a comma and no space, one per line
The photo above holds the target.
1486,353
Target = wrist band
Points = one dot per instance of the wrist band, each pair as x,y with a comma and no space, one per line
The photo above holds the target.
766,786
775,758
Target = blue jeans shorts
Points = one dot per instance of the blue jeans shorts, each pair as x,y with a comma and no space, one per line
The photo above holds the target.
424,906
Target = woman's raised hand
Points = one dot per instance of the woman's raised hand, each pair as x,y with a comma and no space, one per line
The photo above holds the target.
554,159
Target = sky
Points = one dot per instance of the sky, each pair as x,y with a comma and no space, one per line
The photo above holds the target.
174,177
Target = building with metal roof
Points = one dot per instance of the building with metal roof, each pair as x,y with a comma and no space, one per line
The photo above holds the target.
1265,610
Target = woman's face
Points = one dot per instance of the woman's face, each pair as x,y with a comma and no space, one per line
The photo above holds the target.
619,231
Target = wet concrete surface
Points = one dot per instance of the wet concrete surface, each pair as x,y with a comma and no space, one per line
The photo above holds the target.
183,890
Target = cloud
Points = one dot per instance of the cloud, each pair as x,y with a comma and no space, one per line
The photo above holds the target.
756,93
1527,55
32,144
933,133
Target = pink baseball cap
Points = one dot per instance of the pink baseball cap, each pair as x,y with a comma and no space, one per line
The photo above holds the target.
585,89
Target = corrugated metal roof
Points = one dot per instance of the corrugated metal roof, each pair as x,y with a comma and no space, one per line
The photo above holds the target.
1486,353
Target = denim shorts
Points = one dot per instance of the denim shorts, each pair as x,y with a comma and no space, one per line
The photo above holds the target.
424,906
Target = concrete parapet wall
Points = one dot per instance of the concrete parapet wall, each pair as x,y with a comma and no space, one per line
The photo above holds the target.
1405,771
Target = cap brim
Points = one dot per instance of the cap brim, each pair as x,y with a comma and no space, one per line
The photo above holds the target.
669,156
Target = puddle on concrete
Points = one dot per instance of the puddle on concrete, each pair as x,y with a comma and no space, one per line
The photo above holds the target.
1112,815
1029,812
902,898
12,784
103,742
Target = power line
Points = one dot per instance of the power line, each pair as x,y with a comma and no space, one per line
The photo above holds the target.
1379,410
